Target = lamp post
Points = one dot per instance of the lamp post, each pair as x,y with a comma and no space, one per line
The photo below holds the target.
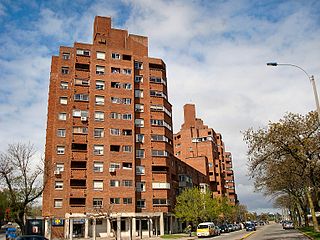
311,78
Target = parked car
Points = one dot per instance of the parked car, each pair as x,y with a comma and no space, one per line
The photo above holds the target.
206,229
217,230
250,227
31,237
287,225
224,228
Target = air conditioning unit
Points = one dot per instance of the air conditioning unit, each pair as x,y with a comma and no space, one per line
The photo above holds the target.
84,119
112,169
57,172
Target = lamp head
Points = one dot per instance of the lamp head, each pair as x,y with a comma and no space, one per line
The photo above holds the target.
272,64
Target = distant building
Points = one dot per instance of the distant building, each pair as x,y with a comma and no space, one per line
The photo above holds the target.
203,149
109,155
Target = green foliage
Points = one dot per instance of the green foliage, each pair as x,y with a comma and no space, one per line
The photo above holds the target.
309,231
195,206
4,204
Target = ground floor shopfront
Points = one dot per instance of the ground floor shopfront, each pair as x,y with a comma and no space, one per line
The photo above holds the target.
120,225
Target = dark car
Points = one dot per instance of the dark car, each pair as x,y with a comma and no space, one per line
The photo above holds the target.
31,237
250,227
224,228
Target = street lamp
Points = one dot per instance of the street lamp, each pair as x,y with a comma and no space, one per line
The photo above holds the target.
311,78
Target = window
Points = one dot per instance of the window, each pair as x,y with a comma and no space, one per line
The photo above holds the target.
139,122
101,55
79,130
98,149
160,201
115,131
115,115
100,70
115,85
160,138
99,85
65,70
126,101
59,167
79,113
139,153
63,85
99,100
127,86
62,116
65,56
98,166
83,52
138,79
127,116
60,150
127,183
158,80
140,186
115,148
98,132
127,132
115,56
138,65
57,203
141,203
58,185
159,153
63,100
114,183
126,57
154,93
97,202
114,200
115,70
81,82
61,132
127,148
97,185
99,116
127,166
116,100
138,107
140,170
127,200
138,93
160,108
140,138
115,165
126,71
156,122
81,97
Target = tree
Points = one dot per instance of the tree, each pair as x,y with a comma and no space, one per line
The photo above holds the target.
4,204
284,159
20,176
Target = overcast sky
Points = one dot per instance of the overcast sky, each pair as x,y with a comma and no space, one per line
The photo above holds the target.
216,53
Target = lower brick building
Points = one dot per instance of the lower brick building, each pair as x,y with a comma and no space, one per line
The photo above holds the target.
203,149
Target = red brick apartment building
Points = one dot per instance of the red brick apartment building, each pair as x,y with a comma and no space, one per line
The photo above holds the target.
109,153
203,149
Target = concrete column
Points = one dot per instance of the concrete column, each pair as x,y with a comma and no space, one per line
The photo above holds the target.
118,227
151,227
66,228
47,228
140,228
148,224
94,226
133,223
156,223
108,227
161,224
86,228
71,229
130,228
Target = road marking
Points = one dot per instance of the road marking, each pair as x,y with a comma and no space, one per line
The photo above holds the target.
247,235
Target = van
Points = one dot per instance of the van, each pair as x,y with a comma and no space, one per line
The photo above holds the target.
206,229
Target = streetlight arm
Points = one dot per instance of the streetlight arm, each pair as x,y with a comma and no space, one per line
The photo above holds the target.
274,64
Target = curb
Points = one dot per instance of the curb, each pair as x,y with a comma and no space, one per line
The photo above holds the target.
247,235
306,235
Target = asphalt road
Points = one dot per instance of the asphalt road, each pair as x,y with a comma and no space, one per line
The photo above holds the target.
2,236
